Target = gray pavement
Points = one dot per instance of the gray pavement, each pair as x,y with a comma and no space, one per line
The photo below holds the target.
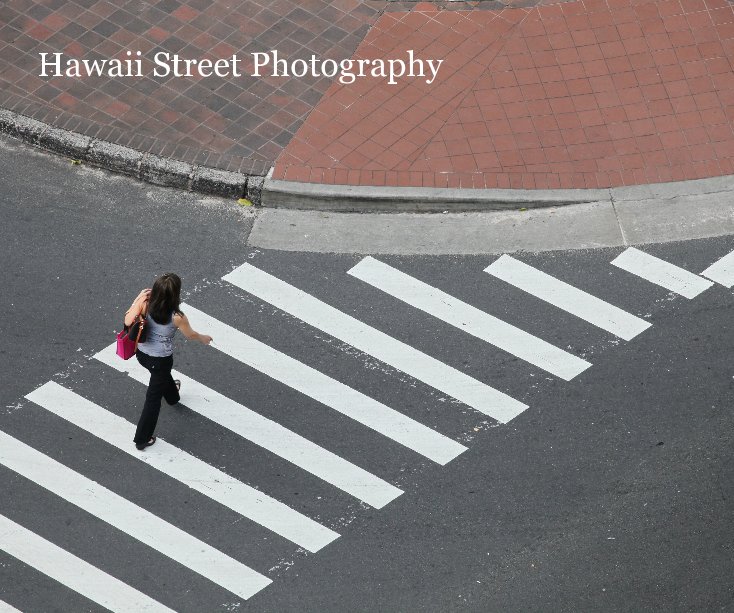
626,216
611,492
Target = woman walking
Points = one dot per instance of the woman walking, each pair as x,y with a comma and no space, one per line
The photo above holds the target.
160,305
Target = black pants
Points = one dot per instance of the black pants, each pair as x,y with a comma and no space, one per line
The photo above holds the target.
161,386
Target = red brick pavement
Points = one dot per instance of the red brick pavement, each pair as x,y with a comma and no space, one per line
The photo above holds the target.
238,124
583,94
568,94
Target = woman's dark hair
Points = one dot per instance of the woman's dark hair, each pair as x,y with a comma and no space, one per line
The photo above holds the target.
165,298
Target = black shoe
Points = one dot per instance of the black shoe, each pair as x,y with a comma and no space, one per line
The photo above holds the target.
177,383
148,444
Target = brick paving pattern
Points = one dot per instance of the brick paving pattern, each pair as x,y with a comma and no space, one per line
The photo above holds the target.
238,124
531,94
581,94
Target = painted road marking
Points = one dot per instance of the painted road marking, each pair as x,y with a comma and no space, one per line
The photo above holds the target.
6,608
722,271
71,571
264,432
567,297
469,319
184,467
397,354
130,518
328,391
662,273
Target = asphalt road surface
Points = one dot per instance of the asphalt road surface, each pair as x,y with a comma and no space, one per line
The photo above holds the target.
597,475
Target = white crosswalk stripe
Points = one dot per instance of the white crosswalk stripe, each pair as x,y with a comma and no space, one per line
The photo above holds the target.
184,467
660,272
469,319
6,608
268,434
71,571
567,297
130,518
385,348
722,271
301,453
328,391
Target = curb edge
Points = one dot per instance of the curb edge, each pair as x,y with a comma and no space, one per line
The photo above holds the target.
349,198
275,193
147,167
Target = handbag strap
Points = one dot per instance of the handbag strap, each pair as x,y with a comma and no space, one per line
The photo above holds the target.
141,324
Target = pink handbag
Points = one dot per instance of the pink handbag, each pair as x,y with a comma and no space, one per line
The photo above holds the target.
125,345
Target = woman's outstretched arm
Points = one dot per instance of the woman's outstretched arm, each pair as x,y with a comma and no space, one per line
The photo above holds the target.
182,323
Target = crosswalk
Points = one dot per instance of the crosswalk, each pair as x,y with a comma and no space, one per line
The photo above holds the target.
276,439
327,390
385,348
564,296
6,608
71,571
470,319
250,500
130,518
722,271
187,469
663,273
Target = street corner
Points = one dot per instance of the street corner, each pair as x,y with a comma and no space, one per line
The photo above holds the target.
500,411
579,95
443,96
211,85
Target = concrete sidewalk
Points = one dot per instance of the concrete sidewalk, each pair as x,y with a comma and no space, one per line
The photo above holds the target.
582,94
660,213
640,215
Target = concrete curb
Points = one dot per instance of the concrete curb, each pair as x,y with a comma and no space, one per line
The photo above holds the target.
590,225
347,198
351,199
144,166
276,194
